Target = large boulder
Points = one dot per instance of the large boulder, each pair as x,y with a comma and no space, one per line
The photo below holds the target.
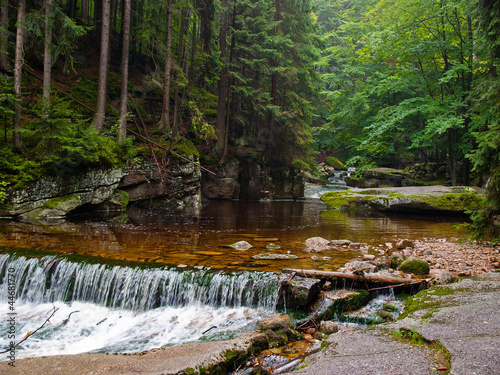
175,186
55,196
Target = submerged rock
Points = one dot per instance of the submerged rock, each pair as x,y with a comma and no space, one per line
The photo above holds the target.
273,256
317,244
241,245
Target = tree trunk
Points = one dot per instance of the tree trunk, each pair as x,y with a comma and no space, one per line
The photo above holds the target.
165,113
223,82
98,120
47,56
4,41
85,15
274,91
367,277
18,70
180,59
122,131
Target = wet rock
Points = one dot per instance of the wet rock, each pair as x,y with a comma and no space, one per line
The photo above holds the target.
369,257
317,244
385,315
358,265
272,246
275,322
299,292
340,242
337,302
355,245
274,256
328,327
415,266
403,244
241,245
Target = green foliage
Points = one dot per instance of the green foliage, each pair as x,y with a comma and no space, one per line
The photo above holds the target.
58,144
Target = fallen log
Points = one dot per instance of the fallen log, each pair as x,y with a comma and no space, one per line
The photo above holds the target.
363,277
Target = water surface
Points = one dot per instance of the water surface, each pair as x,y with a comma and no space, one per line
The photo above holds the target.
200,236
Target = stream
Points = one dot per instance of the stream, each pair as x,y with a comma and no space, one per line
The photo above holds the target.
209,291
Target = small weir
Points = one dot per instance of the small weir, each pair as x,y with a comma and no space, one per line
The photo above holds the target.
123,309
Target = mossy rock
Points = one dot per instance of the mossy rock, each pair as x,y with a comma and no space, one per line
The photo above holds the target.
351,302
337,199
335,163
415,266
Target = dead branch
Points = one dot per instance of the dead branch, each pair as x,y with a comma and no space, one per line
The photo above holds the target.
366,277
30,333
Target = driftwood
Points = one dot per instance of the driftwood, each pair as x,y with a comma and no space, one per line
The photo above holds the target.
363,277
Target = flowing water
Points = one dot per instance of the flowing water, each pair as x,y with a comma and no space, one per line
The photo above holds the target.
213,291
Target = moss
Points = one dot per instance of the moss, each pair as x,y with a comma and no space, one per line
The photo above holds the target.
424,300
299,164
120,197
335,163
415,266
456,201
440,353
337,199
63,203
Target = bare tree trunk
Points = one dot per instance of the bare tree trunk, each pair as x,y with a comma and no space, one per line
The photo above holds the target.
274,92
47,56
165,113
85,15
98,120
180,59
18,69
4,42
122,132
220,125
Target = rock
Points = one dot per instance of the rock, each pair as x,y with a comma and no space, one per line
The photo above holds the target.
175,186
311,331
385,315
275,322
337,302
241,245
328,327
274,256
299,292
445,277
358,265
369,257
355,245
54,197
317,244
340,242
272,246
335,163
415,266
403,244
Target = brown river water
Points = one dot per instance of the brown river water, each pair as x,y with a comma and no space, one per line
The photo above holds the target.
200,236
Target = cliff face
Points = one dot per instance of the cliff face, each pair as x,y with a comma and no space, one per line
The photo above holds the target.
248,180
112,189
176,183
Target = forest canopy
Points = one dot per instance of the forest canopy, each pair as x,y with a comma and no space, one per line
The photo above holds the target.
372,82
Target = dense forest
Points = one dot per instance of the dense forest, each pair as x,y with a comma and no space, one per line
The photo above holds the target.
372,82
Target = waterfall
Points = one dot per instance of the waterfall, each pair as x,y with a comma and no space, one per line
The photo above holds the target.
101,308
50,279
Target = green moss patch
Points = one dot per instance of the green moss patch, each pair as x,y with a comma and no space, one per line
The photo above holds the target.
415,266
337,199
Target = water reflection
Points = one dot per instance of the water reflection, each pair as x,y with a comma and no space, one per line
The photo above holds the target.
200,236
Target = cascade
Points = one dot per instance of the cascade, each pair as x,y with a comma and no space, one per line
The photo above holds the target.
51,279
113,309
